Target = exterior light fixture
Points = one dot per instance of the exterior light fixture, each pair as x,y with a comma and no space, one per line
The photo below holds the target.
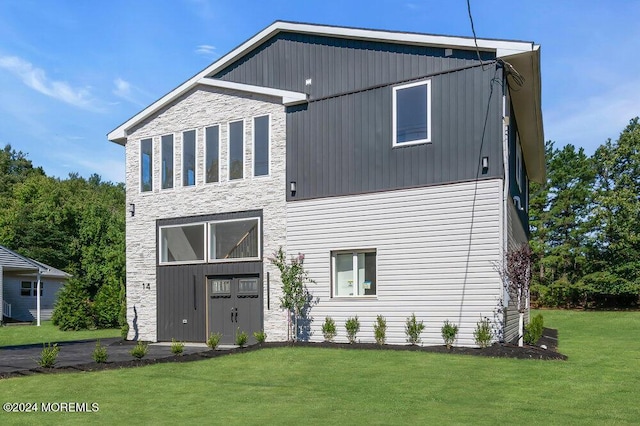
293,187
132,209
485,164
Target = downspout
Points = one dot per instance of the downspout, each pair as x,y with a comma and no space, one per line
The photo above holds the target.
38,300
505,197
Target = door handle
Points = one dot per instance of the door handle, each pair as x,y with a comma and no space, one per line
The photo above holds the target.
232,314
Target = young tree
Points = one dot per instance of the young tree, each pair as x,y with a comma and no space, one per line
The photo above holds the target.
515,272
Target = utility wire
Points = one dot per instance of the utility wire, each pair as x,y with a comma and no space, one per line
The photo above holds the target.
473,30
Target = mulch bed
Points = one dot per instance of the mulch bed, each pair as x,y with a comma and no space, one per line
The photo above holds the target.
497,350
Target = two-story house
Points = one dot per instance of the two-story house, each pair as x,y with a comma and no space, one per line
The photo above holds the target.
397,163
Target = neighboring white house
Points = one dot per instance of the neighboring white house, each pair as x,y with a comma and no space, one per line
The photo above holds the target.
19,279
397,163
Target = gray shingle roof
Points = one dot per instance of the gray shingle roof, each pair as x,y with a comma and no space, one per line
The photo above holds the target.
12,261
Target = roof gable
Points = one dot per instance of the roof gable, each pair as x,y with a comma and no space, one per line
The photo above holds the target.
12,261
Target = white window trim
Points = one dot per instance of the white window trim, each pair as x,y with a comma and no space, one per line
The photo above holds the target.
33,289
140,167
394,114
244,154
195,159
205,150
354,267
243,259
253,146
173,155
181,262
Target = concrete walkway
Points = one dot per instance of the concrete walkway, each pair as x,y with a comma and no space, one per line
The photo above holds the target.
22,358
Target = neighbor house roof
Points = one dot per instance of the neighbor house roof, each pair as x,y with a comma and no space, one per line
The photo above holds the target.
14,262
522,55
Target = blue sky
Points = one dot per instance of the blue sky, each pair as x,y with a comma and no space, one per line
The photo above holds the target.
72,70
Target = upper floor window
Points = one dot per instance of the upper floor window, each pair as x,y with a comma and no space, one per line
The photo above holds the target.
412,113
212,154
261,146
146,165
236,150
519,167
234,239
354,273
182,243
167,161
189,158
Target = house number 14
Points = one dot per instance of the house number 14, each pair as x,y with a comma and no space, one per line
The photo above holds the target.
146,286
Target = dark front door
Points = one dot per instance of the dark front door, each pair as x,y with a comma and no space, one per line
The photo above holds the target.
235,305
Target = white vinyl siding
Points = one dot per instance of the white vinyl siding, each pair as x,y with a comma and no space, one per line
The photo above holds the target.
436,248
24,308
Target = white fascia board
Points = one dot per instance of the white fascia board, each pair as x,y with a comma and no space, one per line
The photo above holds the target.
288,97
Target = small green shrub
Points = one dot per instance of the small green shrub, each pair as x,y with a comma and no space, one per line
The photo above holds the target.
482,333
99,354
329,329
140,350
260,336
241,338
73,309
413,329
449,333
124,331
177,348
380,330
353,326
533,330
214,340
49,355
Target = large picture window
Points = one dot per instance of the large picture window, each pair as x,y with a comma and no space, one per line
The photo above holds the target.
146,165
167,161
412,113
261,146
189,158
182,243
236,150
212,154
234,239
354,273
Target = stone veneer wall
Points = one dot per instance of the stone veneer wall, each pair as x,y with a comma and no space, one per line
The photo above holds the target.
203,107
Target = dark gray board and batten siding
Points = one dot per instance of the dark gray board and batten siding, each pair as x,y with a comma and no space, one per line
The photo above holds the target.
340,142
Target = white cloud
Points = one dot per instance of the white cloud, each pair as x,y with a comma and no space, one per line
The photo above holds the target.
37,79
206,50
130,93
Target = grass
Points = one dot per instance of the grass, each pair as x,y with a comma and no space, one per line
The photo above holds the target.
597,385
47,332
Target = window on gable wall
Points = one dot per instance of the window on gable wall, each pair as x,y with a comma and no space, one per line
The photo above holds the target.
212,154
167,161
412,113
518,170
189,158
261,146
354,273
236,150
146,165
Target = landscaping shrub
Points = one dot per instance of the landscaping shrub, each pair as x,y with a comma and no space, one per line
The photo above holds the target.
140,350
214,340
124,331
380,330
73,309
107,306
177,347
99,354
413,329
449,333
353,326
482,333
329,329
241,338
533,330
260,336
49,355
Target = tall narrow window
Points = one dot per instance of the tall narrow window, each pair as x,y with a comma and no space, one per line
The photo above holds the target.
354,273
412,113
167,161
261,146
518,170
212,154
146,165
189,158
236,150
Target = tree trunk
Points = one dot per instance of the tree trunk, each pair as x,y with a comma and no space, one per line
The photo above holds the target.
521,329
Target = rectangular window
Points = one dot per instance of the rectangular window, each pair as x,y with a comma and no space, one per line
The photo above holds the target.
212,154
261,146
189,158
412,113
518,170
167,161
236,150
184,243
354,273
146,165
30,289
234,239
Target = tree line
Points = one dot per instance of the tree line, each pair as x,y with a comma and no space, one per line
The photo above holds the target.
74,224
585,225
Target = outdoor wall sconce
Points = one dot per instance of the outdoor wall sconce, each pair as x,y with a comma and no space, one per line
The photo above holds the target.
293,187
485,164
132,209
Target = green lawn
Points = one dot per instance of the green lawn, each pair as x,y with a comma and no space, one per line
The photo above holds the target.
47,332
599,384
